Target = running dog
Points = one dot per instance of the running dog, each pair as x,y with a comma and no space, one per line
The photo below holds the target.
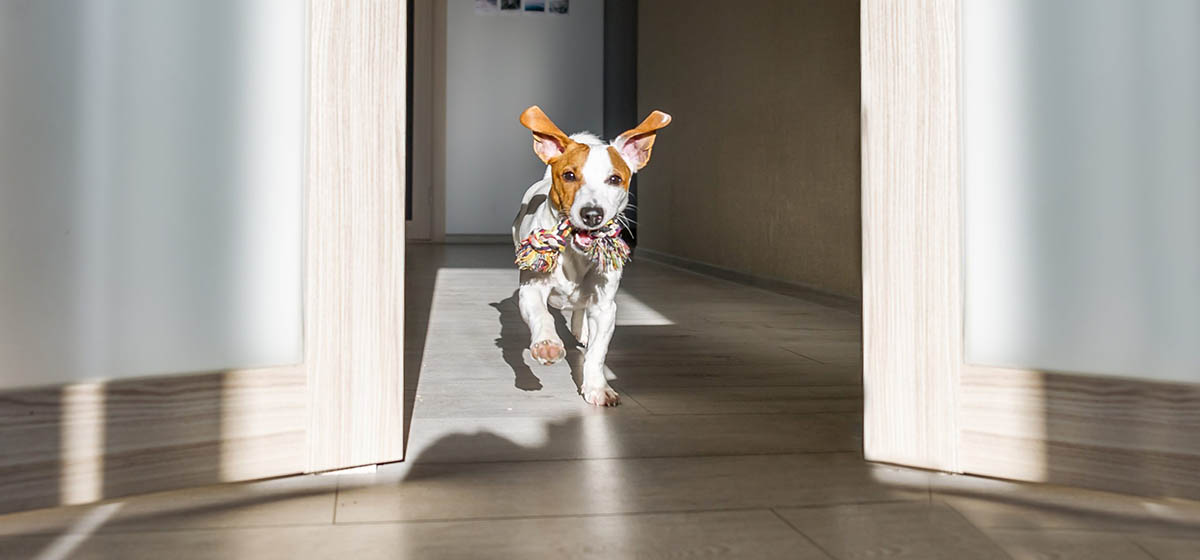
567,236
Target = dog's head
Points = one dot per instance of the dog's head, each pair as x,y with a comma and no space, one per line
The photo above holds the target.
591,178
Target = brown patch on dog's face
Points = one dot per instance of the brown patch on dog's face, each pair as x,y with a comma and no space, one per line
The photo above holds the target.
620,168
566,171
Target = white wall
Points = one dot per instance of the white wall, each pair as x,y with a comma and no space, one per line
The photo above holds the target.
151,165
496,66
1082,182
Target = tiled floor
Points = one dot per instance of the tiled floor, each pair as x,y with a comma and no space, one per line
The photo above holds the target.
738,437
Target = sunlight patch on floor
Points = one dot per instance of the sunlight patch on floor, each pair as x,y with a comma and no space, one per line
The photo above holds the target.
632,312
66,543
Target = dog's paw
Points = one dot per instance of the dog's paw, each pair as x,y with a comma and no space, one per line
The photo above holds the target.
601,396
547,352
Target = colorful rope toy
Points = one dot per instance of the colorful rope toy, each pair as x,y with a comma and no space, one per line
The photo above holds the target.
603,247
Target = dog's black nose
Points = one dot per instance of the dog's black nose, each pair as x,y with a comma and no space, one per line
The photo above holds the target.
591,216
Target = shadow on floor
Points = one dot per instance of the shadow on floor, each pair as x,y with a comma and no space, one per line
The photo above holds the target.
514,340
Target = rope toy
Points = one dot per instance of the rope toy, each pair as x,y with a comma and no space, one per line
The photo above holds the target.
603,247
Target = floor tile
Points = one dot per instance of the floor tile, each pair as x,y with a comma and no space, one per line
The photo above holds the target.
991,503
600,436
899,531
637,376
736,401
416,491
750,535
1047,544
744,400
1165,548
554,398
836,352
283,501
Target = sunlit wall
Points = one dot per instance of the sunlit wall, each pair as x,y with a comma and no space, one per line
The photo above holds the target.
1082,185
151,167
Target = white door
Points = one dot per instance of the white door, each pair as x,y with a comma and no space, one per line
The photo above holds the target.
1031,252
182,187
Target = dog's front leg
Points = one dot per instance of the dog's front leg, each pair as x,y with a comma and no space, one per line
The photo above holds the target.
601,319
545,346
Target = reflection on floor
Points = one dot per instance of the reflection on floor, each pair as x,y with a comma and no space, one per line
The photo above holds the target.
738,437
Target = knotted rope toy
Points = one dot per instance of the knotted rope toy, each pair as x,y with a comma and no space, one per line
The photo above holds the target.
603,246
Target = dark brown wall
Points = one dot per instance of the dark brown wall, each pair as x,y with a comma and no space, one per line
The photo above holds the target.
759,172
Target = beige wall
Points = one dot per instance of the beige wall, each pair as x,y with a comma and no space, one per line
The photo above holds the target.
759,171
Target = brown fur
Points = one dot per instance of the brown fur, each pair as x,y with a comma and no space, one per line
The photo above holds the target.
619,167
548,139
545,132
562,192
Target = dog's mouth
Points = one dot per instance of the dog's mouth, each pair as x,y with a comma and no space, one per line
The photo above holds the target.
584,238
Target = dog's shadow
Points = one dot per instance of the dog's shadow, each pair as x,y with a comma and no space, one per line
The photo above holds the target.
514,342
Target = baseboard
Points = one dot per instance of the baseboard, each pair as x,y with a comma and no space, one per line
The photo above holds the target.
87,441
853,305
478,239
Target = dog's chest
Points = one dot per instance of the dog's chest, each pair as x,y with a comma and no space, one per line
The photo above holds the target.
576,282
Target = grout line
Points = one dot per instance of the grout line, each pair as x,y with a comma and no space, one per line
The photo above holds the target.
648,412
714,387
620,513
882,502
1140,547
639,457
806,294
803,534
627,394
440,419
855,413
1122,531
337,492
136,529
977,528
578,515
786,349
638,386
127,530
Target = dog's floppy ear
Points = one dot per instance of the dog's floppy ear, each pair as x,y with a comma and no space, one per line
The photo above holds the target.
548,141
635,144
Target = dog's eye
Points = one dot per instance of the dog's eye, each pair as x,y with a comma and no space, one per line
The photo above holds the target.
569,176
614,180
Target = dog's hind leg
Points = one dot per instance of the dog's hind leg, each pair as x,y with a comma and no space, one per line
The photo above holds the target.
546,347
579,325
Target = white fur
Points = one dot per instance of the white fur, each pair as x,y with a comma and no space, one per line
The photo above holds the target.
575,284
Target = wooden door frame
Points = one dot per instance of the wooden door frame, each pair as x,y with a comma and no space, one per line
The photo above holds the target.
925,405
426,223
343,405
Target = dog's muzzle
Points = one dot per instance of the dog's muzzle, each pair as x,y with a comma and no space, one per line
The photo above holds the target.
591,215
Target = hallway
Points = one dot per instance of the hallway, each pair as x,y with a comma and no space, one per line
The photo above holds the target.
738,436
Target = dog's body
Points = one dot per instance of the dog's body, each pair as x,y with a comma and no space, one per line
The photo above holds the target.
586,182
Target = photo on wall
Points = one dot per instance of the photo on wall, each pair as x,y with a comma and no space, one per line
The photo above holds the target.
535,5
487,6
510,5
559,7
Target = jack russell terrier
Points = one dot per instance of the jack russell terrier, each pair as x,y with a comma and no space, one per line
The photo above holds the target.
568,242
